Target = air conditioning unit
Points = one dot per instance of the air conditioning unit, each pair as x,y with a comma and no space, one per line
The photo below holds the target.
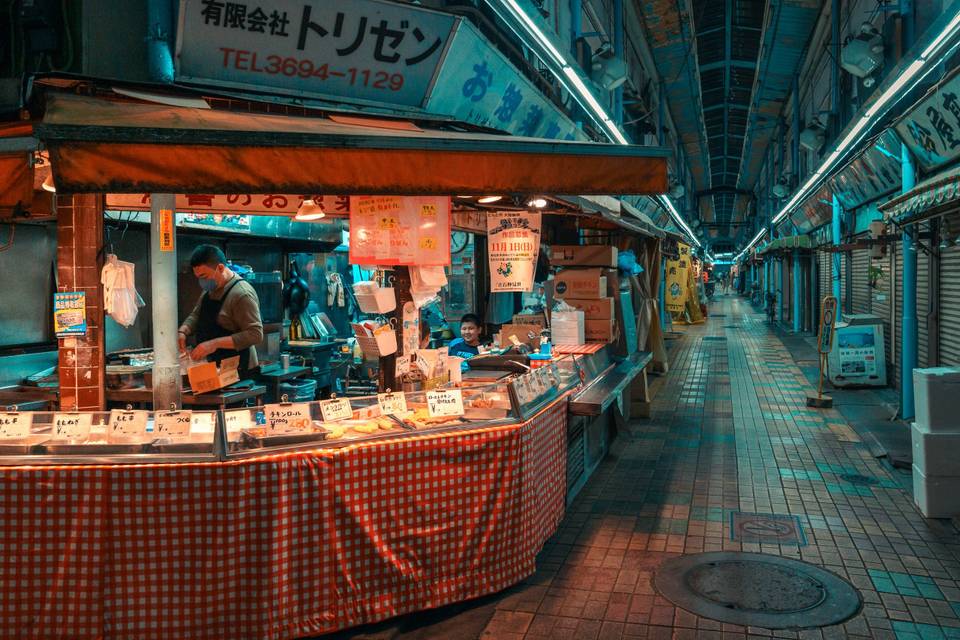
814,135
782,189
863,54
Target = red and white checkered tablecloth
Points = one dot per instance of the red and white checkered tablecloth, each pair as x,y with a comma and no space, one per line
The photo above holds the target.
280,546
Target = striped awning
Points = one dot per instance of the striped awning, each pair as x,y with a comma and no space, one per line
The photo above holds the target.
929,198
786,244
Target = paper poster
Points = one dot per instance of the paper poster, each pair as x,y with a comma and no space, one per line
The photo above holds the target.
411,327
70,313
676,289
166,230
400,230
513,242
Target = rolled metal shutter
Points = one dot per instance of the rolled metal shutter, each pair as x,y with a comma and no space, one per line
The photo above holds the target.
950,300
861,281
826,288
923,299
881,302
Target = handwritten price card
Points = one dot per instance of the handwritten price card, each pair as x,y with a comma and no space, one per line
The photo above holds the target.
172,423
392,403
338,409
445,402
72,426
237,420
15,425
127,423
283,418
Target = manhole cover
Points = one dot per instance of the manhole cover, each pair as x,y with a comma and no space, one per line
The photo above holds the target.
856,478
754,589
767,528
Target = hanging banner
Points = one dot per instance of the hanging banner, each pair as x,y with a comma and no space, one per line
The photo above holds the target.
677,279
363,49
400,230
513,243
932,129
266,204
70,313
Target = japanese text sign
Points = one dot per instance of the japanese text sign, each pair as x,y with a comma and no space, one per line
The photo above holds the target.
284,418
392,403
172,423
229,210
126,424
336,409
237,420
400,230
363,49
445,402
72,426
166,230
828,321
15,425
932,129
70,313
513,241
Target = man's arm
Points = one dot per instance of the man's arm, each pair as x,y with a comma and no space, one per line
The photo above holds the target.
245,313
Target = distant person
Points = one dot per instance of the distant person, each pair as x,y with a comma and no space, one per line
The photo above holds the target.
468,344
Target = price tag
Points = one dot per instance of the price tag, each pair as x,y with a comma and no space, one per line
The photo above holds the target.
172,423
71,426
338,409
203,422
127,423
283,418
392,403
15,425
237,420
403,365
445,402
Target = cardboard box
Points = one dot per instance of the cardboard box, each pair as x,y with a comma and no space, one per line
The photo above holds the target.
580,283
530,318
597,309
522,333
593,255
208,377
598,330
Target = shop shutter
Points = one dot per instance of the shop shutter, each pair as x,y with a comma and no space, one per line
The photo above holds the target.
881,303
825,286
787,290
860,276
923,299
898,331
950,301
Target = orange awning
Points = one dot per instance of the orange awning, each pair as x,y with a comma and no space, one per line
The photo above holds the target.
123,147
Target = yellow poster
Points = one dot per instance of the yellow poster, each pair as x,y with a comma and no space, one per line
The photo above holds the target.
677,279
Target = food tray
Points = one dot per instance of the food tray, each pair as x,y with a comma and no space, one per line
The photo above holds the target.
61,448
181,446
21,446
251,440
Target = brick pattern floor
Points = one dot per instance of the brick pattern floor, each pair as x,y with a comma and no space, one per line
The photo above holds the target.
730,432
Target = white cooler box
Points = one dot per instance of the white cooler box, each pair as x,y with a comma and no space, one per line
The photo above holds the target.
935,453
936,496
936,394
567,327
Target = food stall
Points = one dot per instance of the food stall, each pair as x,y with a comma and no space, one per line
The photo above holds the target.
296,516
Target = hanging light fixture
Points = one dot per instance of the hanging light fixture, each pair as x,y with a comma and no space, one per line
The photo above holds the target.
309,211
537,203
489,199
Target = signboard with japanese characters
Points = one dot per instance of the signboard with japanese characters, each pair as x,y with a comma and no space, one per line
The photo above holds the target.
478,84
69,313
932,129
226,208
363,49
400,230
513,240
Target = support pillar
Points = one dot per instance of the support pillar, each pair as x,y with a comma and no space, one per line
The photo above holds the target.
908,333
835,258
81,358
663,294
163,287
797,294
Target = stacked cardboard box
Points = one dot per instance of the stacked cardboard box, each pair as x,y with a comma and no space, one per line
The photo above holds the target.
936,442
584,283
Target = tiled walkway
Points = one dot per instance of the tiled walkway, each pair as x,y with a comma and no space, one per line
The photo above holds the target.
730,437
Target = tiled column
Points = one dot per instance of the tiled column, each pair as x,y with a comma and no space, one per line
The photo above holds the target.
79,238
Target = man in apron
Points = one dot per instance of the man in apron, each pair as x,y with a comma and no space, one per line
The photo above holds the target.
226,319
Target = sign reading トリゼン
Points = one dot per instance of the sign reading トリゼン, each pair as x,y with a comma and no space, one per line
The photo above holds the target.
513,242
400,230
363,49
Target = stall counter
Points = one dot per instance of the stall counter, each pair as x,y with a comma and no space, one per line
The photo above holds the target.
279,546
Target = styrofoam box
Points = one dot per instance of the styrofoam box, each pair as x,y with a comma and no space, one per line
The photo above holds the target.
937,398
935,453
936,496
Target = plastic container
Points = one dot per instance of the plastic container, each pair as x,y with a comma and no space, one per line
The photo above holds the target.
372,298
936,496
935,452
936,391
299,390
538,360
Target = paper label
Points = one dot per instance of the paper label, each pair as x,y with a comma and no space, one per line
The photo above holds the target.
128,423
392,403
282,418
166,230
338,409
403,365
172,423
445,402
15,425
237,420
203,422
71,426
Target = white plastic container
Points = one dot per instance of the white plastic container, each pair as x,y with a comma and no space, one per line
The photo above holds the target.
374,299
936,496
935,453
567,327
936,394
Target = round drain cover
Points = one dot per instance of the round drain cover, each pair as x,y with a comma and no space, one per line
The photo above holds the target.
755,589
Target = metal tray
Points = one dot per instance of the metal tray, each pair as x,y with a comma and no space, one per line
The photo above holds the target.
281,439
61,448
166,446
21,446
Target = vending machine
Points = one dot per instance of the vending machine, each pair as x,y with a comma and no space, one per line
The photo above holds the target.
857,357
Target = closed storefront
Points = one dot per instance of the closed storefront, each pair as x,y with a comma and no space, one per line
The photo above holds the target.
950,295
882,301
860,279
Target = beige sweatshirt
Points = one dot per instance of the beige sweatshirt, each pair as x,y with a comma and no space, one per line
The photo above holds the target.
240,315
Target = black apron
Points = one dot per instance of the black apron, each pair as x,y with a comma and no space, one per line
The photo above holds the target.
209,329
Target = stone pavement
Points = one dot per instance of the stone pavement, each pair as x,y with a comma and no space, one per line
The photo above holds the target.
730,443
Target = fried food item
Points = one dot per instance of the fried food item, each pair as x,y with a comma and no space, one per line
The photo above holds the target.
366,427
335,431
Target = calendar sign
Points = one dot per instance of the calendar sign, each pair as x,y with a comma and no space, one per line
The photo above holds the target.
445,402
15,425
336,409
172,423
70,313
71,426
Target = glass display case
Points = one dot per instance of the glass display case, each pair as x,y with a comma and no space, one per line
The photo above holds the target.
532,391
108,437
